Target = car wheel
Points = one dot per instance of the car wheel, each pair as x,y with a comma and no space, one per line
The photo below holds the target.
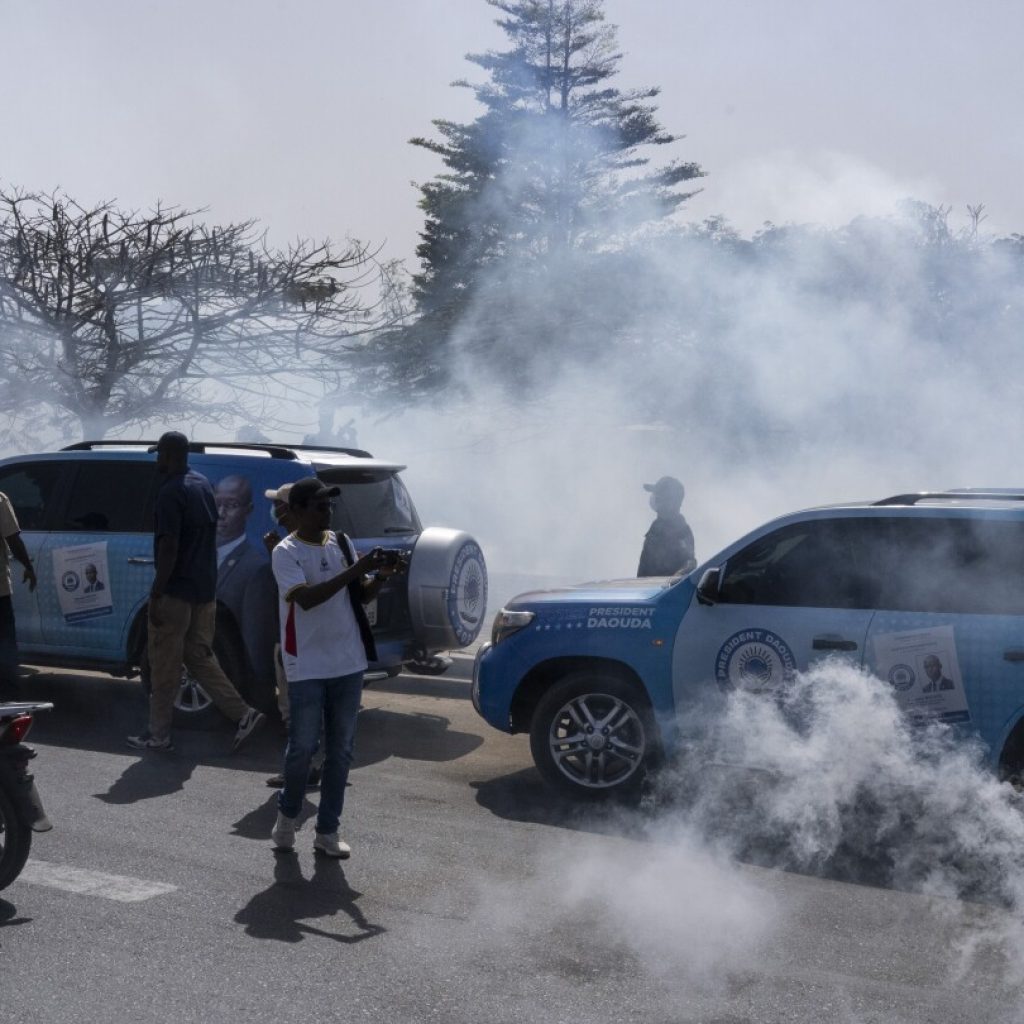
592,736
193,708
447,587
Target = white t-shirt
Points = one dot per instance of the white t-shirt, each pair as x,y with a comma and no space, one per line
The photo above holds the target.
321,642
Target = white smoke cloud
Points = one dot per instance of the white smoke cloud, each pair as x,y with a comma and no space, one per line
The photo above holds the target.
812,187
827,780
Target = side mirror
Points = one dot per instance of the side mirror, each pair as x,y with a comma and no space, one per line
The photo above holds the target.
707,589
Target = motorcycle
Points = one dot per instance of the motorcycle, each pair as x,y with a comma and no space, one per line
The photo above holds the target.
21,810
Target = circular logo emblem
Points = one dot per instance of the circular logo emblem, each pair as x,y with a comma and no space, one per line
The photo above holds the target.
754,659
467,593
70,581
902,677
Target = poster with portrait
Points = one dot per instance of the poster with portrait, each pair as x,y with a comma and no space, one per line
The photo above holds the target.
922,667
245,583
83,582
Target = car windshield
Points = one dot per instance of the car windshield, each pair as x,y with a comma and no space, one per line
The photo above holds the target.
371,504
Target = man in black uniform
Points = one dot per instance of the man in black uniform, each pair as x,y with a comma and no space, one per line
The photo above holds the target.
668,546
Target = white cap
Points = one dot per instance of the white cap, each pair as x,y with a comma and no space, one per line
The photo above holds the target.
281,494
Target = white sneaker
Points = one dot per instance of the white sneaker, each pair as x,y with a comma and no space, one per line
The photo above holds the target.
331,845
284,832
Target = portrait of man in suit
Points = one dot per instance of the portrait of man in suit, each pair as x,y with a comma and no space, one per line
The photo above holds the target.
241,571
936,680
93,584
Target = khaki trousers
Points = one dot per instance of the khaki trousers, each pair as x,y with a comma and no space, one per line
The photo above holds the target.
185,637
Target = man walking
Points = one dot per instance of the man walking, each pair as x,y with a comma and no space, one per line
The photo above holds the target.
11,544
182,600
325,644
668,545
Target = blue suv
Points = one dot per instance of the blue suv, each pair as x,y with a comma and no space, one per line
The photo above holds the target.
925,590
86,516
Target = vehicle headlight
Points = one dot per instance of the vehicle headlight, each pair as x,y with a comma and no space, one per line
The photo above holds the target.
508,622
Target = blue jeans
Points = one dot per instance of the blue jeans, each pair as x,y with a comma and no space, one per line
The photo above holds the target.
334,704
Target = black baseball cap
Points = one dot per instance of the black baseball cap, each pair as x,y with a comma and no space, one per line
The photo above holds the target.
308,489
667,487
171,441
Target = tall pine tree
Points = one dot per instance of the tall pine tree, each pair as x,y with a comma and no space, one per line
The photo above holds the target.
552,178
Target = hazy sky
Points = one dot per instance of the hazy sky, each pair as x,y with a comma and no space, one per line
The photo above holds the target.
299,113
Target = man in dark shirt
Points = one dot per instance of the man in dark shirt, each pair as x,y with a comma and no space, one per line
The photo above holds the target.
668,545
182,600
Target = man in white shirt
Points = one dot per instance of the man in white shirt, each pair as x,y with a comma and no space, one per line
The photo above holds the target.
325,646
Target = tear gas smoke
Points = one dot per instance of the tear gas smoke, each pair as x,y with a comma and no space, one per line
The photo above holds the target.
800,367
843,781
827,778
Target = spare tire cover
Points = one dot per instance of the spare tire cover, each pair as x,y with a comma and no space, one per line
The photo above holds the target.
447,589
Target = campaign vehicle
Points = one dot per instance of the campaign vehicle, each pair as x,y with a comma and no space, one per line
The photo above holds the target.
86,516
925,590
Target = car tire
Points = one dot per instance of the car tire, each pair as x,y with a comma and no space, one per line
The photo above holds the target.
193,708
15,840
447,587
593,736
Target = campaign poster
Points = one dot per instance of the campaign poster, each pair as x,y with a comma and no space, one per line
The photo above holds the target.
923,669
83,582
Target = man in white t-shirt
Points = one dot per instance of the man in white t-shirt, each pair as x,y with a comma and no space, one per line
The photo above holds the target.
325,645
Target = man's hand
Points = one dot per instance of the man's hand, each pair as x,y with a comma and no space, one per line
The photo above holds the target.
271,540
387,562
30,577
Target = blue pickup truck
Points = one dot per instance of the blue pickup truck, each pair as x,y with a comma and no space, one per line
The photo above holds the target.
925,590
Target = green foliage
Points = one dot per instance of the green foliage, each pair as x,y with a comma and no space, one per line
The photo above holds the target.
552,175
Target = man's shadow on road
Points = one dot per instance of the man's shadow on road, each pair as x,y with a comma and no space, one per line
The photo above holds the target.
282,911
155,774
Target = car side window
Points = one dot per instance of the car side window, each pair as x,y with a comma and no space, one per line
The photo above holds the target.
808,564
955,566
110,497
31,488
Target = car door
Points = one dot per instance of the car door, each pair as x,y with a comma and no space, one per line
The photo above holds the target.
949,635
790,597
98,559
33,489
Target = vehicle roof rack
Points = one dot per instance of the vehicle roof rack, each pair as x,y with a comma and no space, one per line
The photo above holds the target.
357,452
969,495
275,451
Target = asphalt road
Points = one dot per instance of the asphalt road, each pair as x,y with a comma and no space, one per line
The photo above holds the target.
471,895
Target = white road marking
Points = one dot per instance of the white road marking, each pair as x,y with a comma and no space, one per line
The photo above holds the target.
92,883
